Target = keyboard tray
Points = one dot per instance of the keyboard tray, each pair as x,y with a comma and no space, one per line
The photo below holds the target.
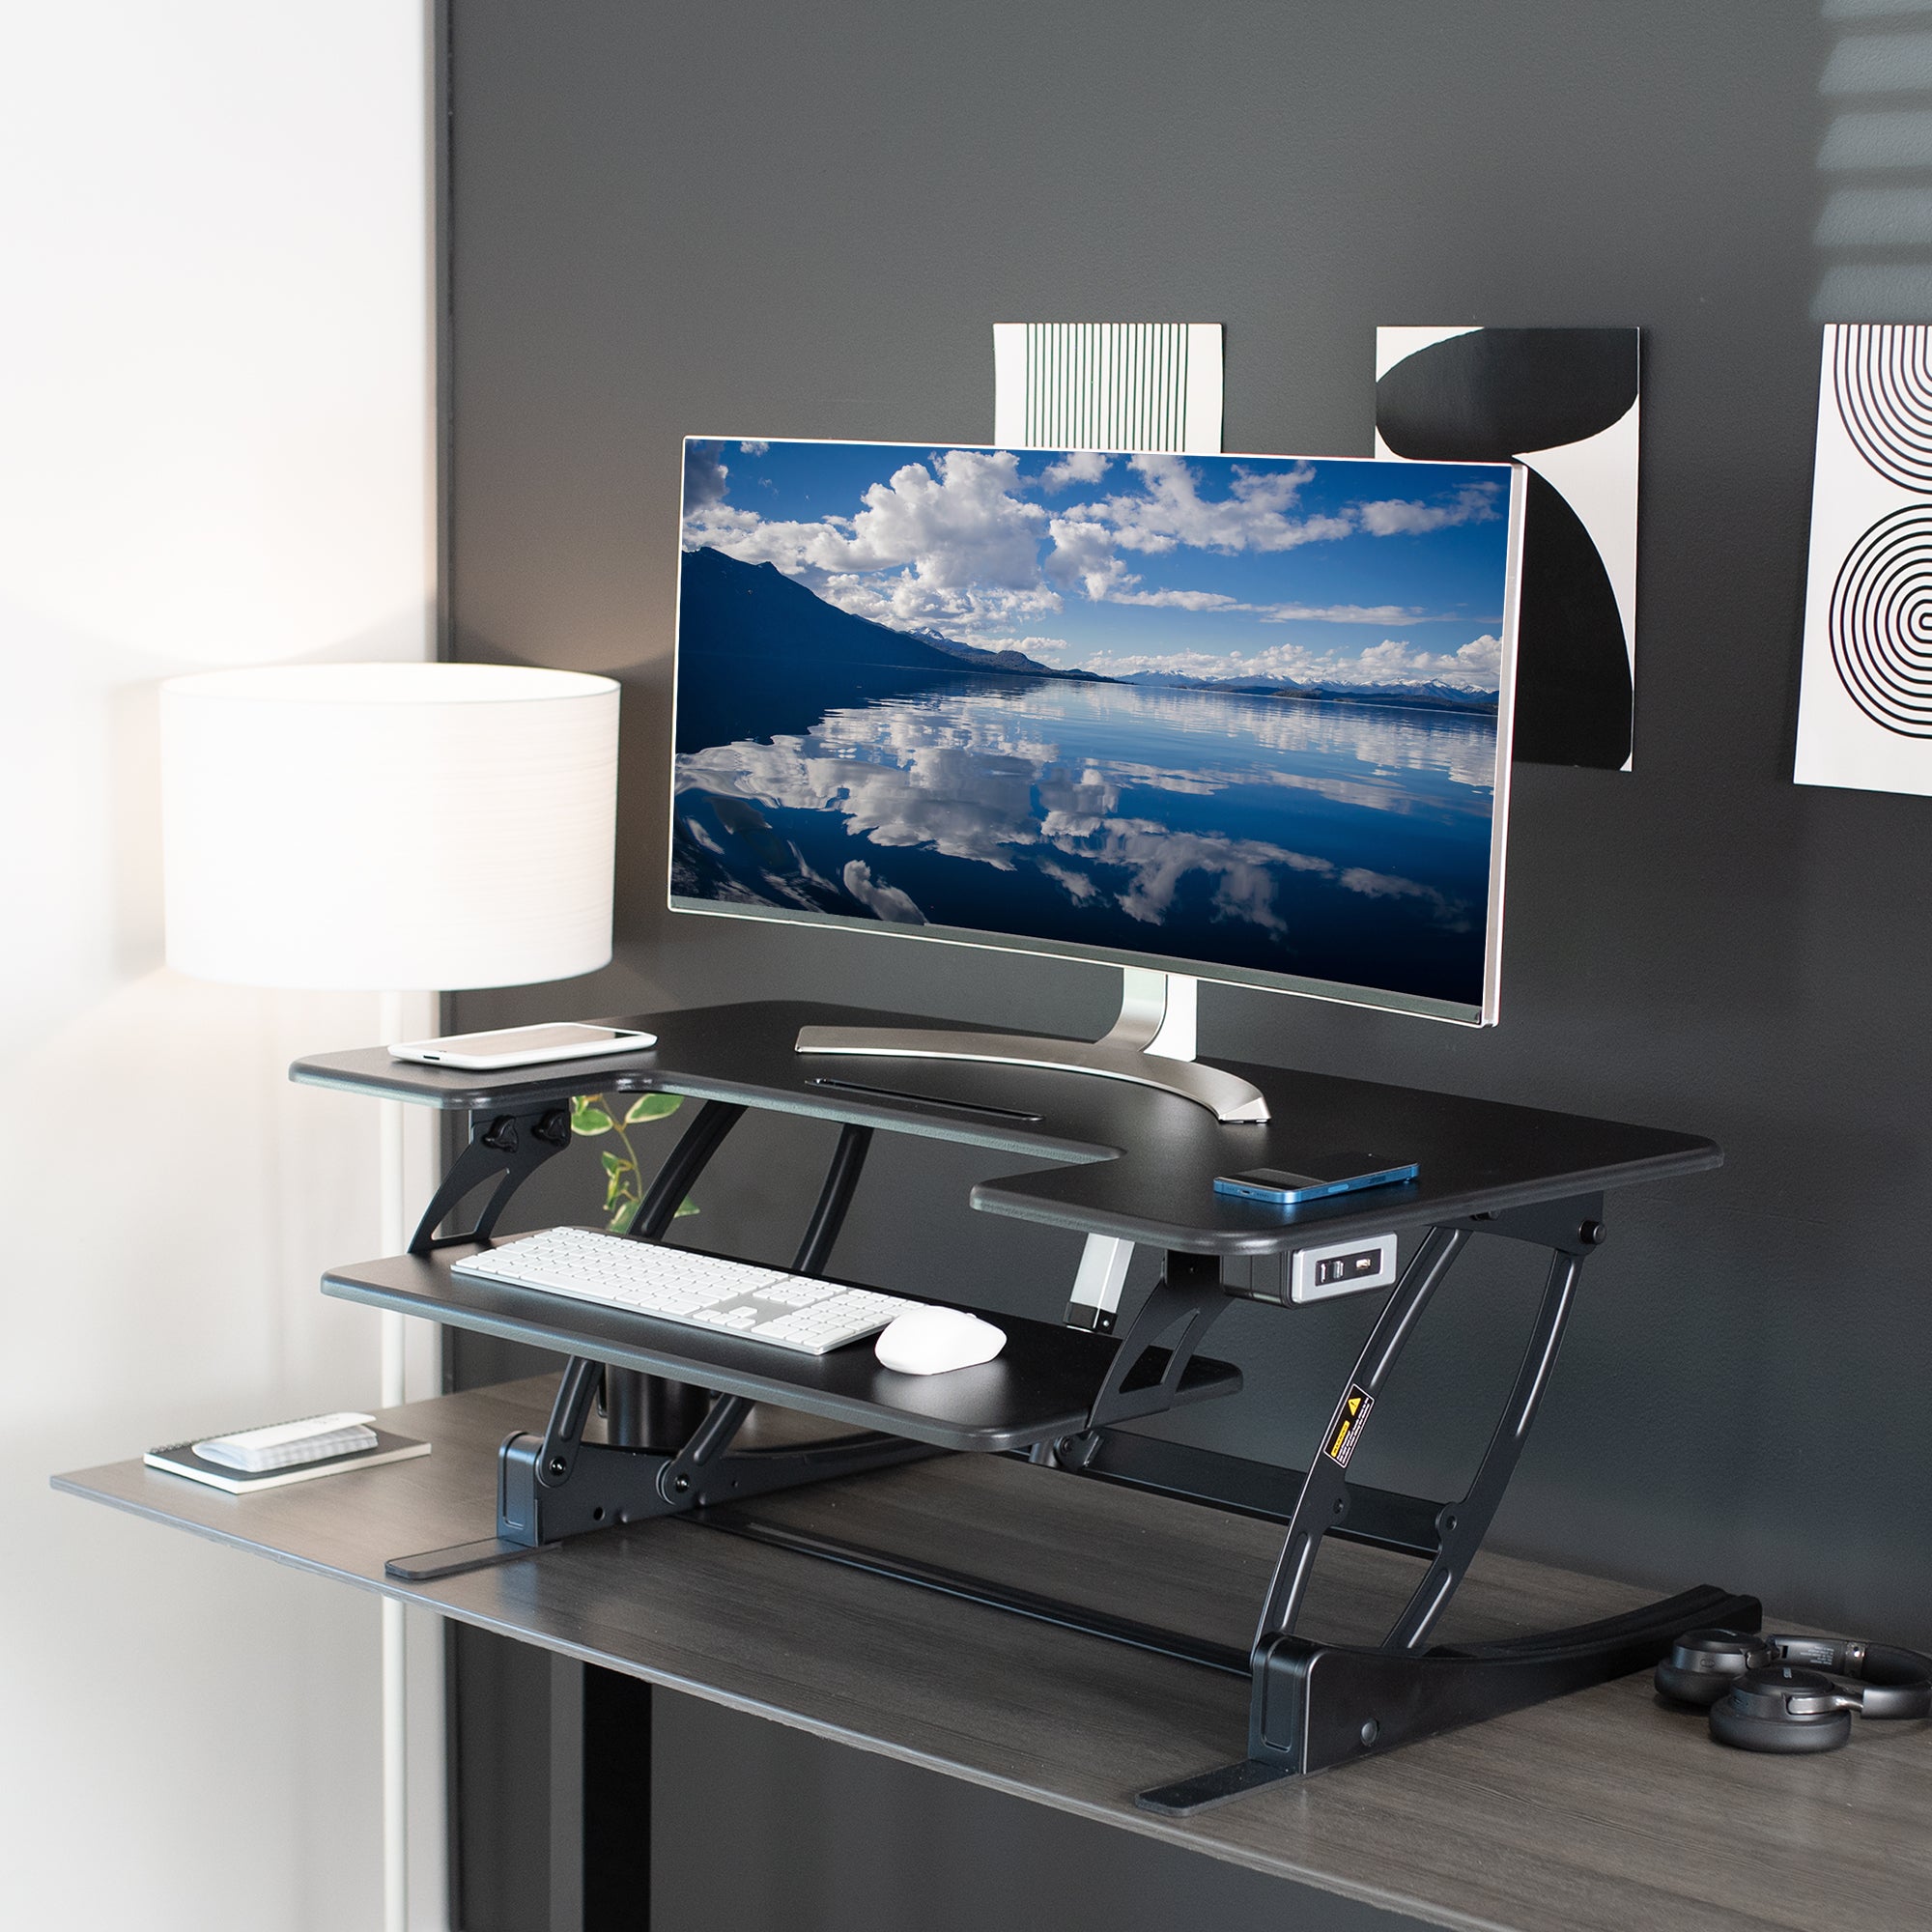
1040,1386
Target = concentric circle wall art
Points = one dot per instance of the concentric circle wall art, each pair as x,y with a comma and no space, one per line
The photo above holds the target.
1865,711
1882,379
1882,622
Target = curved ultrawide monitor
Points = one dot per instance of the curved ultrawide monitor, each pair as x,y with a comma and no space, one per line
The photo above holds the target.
1242,716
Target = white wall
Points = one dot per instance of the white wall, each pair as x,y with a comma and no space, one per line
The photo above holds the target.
214,398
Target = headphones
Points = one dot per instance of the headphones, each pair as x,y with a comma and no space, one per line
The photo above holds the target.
1770,1694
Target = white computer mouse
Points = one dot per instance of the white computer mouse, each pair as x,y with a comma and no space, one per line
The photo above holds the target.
930,1341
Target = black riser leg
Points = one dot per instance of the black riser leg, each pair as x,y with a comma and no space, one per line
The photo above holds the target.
1324,1706
1463,1526
1323,1501
605,1487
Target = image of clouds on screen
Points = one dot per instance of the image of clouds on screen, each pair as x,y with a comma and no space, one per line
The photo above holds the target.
958,781
1149,565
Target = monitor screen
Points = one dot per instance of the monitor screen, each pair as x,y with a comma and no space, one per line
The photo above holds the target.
1242,716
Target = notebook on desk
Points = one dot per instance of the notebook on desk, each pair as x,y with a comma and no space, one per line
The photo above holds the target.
179,1458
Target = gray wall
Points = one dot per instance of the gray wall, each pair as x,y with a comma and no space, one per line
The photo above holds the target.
769,219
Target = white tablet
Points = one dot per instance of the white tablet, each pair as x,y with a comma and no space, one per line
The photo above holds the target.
523,1046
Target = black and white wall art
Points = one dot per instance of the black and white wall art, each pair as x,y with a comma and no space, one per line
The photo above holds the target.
1152,385
1564,402
1865,713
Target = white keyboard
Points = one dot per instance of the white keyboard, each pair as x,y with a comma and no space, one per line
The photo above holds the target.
789,1311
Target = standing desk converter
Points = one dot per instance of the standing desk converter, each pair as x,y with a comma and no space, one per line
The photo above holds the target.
1134,1166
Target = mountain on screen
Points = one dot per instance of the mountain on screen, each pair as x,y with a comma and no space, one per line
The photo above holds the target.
1427,695
755,611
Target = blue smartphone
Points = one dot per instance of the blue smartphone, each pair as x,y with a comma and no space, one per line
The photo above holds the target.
1316,1178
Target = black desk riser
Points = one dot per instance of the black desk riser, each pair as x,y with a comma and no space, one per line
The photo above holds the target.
1136,1165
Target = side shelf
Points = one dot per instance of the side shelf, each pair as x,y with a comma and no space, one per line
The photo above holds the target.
1042,1385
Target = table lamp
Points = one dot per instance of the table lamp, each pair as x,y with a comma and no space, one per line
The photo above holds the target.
387,828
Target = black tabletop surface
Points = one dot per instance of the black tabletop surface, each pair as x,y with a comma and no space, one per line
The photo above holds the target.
1137,1163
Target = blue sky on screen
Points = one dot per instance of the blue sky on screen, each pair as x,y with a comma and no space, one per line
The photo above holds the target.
1209,566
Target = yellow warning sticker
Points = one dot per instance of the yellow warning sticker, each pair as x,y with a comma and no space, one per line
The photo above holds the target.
1346,1431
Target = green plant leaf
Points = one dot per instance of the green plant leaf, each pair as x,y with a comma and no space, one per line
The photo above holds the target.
587,1115
620,1179
652,1107
620,1222
685,1207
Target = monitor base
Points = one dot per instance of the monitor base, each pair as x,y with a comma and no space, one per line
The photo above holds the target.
1151,1044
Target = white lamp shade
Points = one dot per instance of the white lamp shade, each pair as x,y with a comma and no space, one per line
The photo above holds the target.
382,826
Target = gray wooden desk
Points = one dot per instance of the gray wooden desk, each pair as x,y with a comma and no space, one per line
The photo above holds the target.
1599,1810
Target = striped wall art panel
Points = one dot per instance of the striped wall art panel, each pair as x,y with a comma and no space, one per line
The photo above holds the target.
1107,385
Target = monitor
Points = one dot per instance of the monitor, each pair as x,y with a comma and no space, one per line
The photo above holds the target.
1239,718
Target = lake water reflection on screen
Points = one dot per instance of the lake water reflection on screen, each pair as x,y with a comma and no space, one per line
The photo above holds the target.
1337,842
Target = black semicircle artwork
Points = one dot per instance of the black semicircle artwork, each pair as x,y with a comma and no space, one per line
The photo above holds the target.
1491,394
1495,393
1573,681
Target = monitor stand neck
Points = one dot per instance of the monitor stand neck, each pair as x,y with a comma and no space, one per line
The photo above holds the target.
1151,1044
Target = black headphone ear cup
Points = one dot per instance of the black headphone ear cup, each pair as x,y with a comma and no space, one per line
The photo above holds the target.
1792,1736
1691,1686
1704,1663
1754,1715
